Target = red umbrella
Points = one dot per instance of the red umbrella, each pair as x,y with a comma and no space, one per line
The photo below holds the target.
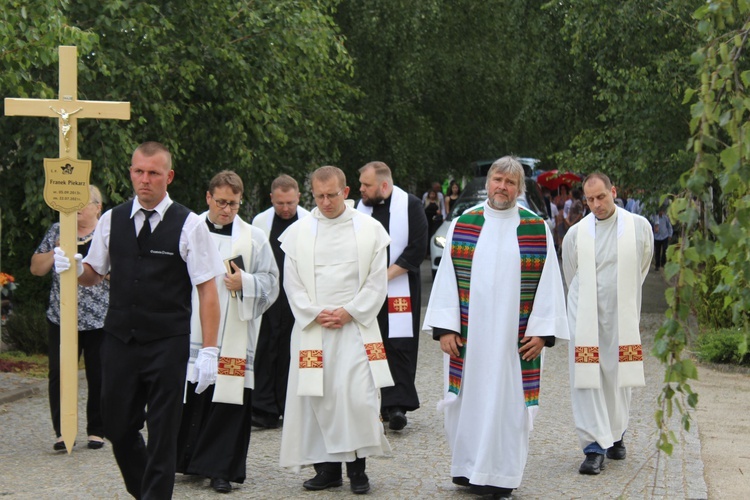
553,179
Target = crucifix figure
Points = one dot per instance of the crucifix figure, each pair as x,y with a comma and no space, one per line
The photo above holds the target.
68,137
65,122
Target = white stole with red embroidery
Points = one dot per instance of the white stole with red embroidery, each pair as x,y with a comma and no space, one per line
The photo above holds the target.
586,366
399,294
311,356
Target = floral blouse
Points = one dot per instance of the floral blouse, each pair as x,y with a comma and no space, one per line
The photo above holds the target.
93,301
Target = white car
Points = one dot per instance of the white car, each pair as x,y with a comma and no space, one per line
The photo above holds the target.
474,194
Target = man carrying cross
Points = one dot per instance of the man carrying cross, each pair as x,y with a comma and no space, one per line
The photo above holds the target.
146,346
497,301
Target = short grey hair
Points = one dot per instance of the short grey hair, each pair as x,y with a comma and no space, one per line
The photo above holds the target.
509,165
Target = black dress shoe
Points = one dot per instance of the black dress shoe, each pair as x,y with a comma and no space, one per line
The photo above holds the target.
322,480
593,464
617,452
495,491
220,485
460,480
396,419
360,483
59,446
95,445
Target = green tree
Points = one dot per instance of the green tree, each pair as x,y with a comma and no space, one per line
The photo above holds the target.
258,87
447,82
639,52
712,260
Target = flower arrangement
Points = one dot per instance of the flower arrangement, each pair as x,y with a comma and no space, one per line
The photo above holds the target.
7,284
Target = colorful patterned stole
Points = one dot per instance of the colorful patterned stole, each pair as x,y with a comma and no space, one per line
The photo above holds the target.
532,244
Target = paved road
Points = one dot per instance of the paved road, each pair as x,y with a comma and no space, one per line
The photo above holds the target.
419,467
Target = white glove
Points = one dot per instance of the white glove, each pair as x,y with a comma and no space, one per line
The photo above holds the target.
62,262
206,368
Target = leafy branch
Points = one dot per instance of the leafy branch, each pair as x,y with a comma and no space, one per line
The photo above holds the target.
710,266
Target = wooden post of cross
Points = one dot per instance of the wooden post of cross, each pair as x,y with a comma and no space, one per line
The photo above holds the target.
68,110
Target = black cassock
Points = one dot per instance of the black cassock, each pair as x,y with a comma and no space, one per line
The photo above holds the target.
402,352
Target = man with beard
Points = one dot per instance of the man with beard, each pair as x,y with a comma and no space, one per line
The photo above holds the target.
497,301
402,215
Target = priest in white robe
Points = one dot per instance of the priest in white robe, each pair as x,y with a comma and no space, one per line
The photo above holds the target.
503,257
335,280
606,257
215,430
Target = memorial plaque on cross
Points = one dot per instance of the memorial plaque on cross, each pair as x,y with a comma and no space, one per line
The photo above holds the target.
66,190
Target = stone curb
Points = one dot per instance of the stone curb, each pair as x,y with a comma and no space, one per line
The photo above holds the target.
30,390
16,394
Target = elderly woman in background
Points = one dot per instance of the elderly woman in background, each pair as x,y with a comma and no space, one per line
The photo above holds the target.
92,308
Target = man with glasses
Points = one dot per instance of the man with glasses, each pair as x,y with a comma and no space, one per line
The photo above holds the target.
272,352
146,343
403,216
335,278
215,431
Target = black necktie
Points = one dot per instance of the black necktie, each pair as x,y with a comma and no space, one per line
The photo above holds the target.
146,229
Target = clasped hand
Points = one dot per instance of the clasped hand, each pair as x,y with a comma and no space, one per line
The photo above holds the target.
333,319
451,343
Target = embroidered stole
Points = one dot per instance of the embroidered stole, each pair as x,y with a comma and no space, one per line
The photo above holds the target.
236,356
532,245
630,357
311,355
236,353
399,294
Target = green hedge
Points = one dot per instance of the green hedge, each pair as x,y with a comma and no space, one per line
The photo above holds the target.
723,346
26,328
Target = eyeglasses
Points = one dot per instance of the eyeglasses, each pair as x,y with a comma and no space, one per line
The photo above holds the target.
321,197
233,205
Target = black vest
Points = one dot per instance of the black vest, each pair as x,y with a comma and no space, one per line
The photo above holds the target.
150,288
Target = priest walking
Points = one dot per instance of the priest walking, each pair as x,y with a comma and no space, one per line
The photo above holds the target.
335,278
215,430
503,257
403,216
272,352
606,257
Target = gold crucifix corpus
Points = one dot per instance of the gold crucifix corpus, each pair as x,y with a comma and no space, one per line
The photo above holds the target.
68,136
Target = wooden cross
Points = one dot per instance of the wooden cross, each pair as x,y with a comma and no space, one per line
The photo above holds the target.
68,110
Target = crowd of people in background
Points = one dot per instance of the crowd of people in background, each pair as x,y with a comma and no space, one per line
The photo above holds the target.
218,325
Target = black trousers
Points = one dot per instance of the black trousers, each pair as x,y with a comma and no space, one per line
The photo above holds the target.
214,437
402,361
144,383
89,344
272,361
660,252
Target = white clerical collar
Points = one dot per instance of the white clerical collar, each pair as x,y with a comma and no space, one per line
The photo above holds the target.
215,225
